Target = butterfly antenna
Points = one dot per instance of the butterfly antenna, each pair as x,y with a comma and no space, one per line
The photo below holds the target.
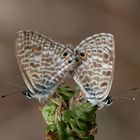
16,85
12,84
70,46
124,98
129,90
21,89
10,94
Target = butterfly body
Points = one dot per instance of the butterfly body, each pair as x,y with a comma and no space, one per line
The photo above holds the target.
44,63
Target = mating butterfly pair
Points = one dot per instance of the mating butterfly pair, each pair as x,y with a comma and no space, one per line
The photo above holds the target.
44,63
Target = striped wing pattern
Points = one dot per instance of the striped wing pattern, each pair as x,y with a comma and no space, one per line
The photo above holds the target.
44,63
95,73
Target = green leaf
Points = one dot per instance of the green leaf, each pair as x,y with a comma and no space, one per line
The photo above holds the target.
52,127
72,120
75,128
70,138
48,113
84,126
67,115
65,92
60,132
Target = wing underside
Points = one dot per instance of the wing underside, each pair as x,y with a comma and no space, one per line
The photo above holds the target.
41,62
95,73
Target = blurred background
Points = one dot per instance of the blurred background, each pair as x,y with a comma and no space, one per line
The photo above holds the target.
70,21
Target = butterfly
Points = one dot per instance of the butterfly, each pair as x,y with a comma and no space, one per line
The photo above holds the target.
95,73
44,63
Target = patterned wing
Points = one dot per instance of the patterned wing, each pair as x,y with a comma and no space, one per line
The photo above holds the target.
42,61
94,74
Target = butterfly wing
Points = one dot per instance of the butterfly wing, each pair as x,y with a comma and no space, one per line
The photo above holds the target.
42,61
95,72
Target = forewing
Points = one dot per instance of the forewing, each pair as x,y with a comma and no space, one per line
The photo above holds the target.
42,61
95,72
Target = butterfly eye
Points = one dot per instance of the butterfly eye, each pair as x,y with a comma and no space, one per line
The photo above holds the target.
69,61
64,54
82,55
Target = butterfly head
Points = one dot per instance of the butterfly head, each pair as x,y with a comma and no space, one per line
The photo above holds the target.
68,57
80,55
